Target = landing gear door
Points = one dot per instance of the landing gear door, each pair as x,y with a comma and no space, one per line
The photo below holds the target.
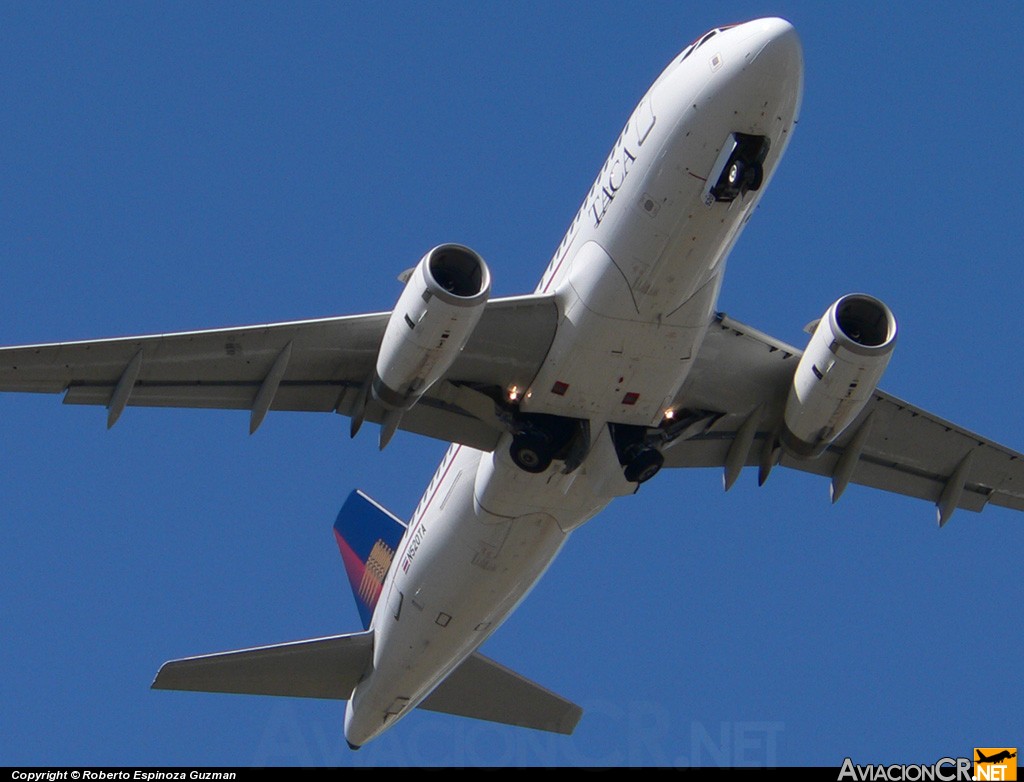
718,169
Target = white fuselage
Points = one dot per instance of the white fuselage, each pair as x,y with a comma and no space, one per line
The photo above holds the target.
636,279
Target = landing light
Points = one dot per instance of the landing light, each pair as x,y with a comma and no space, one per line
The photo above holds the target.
670,414
513,394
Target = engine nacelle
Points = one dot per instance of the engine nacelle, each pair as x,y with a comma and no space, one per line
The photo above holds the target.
443,300
838,373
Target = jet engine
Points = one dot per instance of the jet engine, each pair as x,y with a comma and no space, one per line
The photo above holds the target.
443,300
840,369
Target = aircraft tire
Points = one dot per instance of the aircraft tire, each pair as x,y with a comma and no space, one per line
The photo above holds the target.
531,452
644,466
756,177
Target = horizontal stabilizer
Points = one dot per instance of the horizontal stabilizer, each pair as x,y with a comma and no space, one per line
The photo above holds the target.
331,667
482,689
315,668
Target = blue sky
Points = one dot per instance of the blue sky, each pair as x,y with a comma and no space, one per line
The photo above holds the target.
176,166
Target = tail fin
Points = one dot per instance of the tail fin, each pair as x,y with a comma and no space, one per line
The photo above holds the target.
367,537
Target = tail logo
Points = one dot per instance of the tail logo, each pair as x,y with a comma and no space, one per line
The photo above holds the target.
376,570
368,538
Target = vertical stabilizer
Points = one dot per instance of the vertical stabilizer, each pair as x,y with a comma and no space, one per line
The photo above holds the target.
367,536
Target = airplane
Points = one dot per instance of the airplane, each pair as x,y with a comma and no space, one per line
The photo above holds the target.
997,758
618,365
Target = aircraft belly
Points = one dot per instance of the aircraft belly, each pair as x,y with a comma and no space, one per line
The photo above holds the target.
504,490
618,369
627,377
468,571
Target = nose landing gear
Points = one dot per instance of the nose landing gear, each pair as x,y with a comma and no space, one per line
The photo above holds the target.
743,169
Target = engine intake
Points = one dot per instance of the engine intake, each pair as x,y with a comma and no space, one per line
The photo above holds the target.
459,271
838,372
433,320
864,321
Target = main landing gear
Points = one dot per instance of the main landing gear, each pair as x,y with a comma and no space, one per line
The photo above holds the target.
643,464
538,440
541,439
640,461
531,451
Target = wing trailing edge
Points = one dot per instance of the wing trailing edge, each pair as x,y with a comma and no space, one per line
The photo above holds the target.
892,445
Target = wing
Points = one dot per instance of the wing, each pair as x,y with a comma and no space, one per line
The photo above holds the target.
311,365
743,374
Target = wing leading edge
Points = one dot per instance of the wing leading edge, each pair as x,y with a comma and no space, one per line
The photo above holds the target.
893,445
320,365
311,365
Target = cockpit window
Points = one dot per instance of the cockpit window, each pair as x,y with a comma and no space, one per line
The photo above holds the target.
701,41
706,37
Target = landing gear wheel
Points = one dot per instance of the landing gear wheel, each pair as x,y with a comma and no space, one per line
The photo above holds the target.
737,175
531,452
756,177
644,465
743,169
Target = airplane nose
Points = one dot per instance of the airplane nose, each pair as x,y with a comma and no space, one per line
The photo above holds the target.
773,26
776,48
